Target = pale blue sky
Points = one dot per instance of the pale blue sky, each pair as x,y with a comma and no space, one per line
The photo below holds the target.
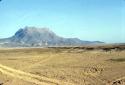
92,20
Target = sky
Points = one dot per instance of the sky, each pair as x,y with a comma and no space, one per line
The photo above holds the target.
92,20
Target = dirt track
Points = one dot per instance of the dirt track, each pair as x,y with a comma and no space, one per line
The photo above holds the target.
29,77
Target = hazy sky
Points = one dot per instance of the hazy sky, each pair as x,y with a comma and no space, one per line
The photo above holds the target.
102,20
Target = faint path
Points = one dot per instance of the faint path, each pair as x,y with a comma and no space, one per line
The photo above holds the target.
39,80
40,62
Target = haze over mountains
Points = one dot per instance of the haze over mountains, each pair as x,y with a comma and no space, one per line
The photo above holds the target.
33,37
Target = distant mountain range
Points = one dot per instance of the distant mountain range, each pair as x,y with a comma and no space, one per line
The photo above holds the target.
36,37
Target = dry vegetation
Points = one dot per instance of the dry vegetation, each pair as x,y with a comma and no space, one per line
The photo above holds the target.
97,65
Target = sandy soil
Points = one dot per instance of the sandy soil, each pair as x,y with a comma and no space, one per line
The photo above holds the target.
50,66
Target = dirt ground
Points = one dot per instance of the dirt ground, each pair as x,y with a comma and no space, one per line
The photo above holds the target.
55,66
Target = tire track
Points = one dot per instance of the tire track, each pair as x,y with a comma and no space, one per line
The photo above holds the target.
40,62
39,80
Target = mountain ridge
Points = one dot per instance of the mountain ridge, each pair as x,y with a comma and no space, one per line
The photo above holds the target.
32,36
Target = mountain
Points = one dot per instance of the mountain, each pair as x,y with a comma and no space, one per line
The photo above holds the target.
32,36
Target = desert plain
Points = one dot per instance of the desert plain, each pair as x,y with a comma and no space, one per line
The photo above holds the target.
63,66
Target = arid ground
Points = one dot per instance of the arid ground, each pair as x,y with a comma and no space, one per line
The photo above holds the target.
62,66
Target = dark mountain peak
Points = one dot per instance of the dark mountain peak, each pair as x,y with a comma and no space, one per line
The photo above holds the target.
33,35
33,32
